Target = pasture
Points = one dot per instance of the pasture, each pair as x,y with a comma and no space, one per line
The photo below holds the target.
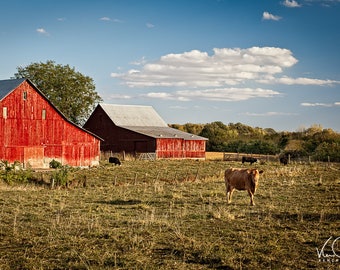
172,214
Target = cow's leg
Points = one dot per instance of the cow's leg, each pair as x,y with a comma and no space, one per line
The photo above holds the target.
227,191
251,195
230,191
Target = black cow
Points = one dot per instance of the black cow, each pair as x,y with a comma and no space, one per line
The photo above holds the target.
114,160
284,160
249,159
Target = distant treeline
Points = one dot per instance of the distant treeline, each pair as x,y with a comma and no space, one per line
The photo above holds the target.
316,142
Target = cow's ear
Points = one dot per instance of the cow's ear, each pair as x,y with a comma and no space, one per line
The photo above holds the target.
261,171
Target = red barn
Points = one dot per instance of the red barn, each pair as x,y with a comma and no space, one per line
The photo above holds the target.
34,132
139,129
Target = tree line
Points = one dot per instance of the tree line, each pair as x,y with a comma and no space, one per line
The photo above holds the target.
316,142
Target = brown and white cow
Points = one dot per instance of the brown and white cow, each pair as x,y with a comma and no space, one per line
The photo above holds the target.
241,179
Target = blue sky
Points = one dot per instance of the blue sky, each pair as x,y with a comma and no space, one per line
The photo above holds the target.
270,64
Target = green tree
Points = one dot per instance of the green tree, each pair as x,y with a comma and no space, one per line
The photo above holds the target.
325,150
216,132
70,91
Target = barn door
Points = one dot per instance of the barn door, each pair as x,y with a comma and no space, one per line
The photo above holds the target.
34,157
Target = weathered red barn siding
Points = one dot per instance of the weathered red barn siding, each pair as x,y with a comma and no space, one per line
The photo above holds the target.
180,148
34,132
194,149
170,148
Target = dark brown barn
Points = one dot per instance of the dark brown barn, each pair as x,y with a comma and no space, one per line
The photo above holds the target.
34,132
139,129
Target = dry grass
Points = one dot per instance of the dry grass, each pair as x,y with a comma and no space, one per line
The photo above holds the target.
172,215
214,155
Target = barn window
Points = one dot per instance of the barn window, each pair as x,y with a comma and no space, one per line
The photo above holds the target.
4,112
43,114
24,95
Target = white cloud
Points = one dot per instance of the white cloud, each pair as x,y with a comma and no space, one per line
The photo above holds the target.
228,74
105,19
219,94
291,4
267,16
108,19
324,3
159,95
199,69
150,25
270,114
139,62
119,96
116,75
42,31
317,104
300,81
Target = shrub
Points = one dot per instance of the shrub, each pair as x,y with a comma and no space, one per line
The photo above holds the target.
60,176
14,172
55,164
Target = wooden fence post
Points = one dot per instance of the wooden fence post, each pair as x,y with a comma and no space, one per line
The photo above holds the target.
196,175
135,181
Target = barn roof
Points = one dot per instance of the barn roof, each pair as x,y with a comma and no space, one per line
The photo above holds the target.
7,86
144,120
164,132
133,115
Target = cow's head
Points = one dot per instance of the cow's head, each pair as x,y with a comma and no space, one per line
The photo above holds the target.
254,176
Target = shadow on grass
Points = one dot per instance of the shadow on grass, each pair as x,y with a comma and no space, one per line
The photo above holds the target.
192,257
327,217
121,202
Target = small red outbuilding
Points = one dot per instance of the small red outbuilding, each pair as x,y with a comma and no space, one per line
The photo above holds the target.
34,132
139,129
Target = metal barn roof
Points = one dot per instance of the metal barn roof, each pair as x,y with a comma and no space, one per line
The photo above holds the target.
6,86
144,120
133,115
165,132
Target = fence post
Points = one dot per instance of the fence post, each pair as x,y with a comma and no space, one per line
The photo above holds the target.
135,182
196,177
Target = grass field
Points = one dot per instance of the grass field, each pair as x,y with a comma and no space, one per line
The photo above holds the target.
170,214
